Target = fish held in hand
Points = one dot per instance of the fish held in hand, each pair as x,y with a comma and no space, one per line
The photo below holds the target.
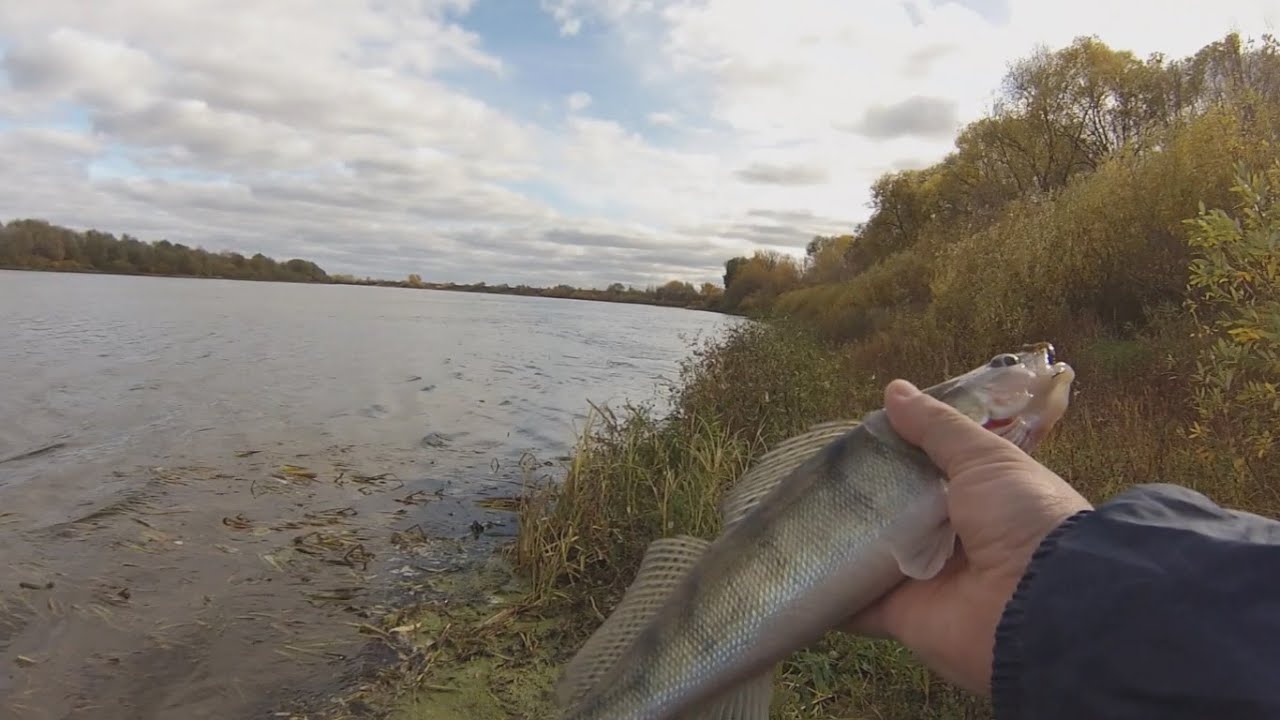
819,528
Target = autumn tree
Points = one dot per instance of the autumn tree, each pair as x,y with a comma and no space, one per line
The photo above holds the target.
825,258
757,281
731,267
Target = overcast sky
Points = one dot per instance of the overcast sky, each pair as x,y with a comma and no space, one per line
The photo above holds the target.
579,141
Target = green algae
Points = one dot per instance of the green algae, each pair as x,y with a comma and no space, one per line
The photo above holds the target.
475,649
489,659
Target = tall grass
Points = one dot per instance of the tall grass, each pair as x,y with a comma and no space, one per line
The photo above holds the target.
635,477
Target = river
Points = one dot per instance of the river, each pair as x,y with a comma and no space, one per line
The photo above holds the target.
200,479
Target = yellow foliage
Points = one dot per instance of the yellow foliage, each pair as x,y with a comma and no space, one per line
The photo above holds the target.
1234,297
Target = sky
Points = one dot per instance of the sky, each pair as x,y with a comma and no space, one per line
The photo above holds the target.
514,141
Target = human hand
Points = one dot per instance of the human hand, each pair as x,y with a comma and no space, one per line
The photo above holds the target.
1002,503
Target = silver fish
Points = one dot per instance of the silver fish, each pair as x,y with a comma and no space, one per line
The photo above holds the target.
820,527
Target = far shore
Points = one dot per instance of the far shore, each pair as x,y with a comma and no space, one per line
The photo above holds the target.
629,297
36,244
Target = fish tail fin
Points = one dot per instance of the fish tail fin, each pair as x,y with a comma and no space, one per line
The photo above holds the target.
665,563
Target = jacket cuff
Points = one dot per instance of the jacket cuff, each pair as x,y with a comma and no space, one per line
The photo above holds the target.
1007,662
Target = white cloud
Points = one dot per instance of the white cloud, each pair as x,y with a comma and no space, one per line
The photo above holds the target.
342,132
665,119
785,85
578,101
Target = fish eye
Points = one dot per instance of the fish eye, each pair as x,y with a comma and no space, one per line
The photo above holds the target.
1048,353
1004,360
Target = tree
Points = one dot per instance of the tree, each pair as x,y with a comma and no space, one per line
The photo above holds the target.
731,268
757,281
825,259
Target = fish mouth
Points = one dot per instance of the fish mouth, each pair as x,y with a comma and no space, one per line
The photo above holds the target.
1026,398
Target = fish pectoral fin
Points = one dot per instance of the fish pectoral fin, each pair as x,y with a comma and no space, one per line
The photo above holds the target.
768,471
664,565
920,556
748,701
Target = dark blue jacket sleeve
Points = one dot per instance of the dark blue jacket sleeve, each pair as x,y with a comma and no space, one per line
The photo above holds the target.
1157,604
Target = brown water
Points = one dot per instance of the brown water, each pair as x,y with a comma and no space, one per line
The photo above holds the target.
201,481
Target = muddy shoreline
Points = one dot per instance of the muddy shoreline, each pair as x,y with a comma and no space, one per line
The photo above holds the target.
234,589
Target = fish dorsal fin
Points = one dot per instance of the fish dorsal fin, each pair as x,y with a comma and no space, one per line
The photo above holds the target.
774,465
665,563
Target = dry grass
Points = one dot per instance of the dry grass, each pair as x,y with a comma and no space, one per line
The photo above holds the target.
635,478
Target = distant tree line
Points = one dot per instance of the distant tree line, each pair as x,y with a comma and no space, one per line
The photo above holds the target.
675,293
31,244
38,245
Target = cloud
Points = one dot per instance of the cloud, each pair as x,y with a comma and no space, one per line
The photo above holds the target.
578,101
73,65
569,24
798,174
997,11
432,136
909,163
923,116
776,229
920,62
665,119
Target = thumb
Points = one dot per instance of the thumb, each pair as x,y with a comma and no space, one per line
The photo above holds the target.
951,439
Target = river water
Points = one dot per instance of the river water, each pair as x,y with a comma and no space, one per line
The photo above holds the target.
200,479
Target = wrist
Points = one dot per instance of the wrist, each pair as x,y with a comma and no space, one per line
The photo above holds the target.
1007,651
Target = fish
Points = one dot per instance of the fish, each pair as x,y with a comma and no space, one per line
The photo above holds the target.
819,527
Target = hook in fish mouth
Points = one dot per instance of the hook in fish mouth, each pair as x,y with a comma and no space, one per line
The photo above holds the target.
1043,350
1045,347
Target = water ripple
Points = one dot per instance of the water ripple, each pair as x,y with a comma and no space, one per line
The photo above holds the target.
138,369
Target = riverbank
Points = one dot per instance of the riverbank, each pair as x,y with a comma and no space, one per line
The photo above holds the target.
488,642
491,642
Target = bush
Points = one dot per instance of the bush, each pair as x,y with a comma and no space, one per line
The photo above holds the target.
1235,300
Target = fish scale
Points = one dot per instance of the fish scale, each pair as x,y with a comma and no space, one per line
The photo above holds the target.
819,528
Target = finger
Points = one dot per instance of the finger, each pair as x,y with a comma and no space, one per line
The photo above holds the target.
869,622
952,440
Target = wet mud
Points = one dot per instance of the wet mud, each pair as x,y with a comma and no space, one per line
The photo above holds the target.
222,591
